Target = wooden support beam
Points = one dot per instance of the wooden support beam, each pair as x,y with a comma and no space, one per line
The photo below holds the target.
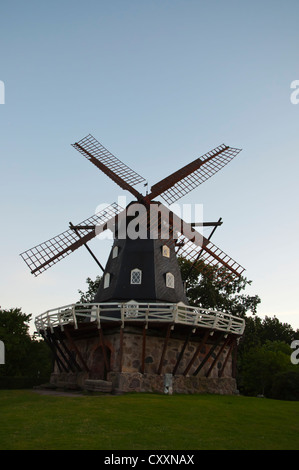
164,349
68,367
228,339
209,353
102,343
182,352
121,347
72,360
73,344
57,359
226,359
197,351
234,359
143,349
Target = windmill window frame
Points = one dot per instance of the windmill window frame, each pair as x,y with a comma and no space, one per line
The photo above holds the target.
166,251
106,280
115,252
136,276
169,280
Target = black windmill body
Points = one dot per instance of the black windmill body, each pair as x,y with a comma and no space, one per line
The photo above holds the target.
141,268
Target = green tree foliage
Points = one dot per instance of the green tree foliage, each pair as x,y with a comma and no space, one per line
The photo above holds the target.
285,385
260,364
264,353
209,288
24,356
88,296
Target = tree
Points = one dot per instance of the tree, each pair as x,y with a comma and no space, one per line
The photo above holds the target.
259,330
88,296
285,385
261,364
264,351
208,287
14,333
24,356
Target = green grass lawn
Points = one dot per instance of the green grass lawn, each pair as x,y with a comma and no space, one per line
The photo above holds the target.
29,420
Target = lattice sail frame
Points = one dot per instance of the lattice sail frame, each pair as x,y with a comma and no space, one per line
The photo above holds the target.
120,173
43,256
211,255
186,179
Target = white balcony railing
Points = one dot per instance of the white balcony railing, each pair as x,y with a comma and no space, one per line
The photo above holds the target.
139,312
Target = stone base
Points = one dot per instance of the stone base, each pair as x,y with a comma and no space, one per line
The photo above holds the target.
137,382
102,386
125,382
136,359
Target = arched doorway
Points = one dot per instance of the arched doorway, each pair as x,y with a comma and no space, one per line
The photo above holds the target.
99,368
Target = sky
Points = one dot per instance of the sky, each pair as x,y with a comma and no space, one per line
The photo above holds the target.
158,83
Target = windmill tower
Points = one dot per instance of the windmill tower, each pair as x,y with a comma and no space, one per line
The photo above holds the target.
140,333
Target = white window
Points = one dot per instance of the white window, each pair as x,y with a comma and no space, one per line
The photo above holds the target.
170,280
166,251
115,252
106,280
136,276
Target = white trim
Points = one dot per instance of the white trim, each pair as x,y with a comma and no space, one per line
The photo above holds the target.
157,312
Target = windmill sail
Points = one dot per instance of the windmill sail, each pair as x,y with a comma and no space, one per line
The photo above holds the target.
192,244
42,256
211,255
120,173
181,182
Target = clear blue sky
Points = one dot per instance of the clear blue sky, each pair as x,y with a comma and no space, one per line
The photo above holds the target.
158,83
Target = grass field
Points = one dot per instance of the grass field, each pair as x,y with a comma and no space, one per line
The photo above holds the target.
29,420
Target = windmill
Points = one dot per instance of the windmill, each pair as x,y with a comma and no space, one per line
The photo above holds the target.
188,242
142,268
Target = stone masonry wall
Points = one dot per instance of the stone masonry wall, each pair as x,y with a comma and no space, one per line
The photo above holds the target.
127,376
